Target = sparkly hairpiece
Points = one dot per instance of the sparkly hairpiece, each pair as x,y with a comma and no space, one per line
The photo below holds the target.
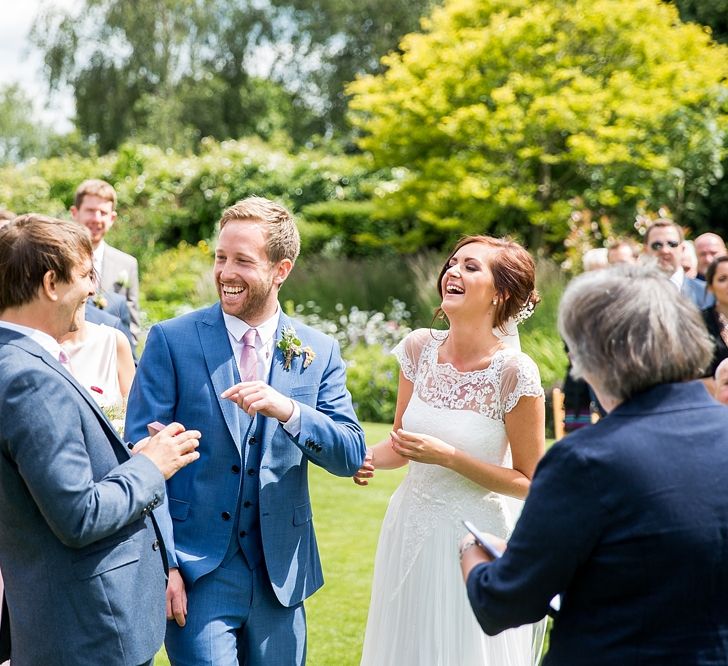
525,312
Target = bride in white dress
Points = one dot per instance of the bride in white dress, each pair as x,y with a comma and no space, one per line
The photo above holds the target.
463,396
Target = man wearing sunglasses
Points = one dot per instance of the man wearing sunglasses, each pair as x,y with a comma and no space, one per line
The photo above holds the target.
664,241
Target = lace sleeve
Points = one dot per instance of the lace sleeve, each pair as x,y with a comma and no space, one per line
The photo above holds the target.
520,377
408,352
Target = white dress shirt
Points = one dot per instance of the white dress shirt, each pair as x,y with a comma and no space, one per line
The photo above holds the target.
98,258
264,348
51,345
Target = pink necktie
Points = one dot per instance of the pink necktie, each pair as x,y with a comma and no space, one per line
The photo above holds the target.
248,357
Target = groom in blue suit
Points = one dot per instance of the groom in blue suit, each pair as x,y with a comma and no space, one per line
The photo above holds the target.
269,395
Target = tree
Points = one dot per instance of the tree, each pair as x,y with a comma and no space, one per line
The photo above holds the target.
174,70
21,137
504,112
335,41
712,13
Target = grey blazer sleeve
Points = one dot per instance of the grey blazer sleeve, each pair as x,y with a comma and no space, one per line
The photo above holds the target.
64,462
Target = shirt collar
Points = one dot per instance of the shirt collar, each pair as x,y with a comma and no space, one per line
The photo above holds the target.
99,251
48,343
237,327
678,277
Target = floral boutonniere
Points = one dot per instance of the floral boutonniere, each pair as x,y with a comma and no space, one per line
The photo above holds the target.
291,346
122,280
100,301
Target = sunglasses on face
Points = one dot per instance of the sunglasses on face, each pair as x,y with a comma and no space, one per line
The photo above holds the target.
656,246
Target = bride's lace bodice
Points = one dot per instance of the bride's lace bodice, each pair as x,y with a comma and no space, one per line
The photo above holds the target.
492,391
466,410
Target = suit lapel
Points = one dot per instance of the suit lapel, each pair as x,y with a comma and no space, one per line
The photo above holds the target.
221,366
27,345
280,379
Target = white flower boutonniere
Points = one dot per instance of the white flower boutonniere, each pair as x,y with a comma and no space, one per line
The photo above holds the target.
122,279
291,346
100,301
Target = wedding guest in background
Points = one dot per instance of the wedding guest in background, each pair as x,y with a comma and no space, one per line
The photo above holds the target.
627,519
716,316
100,359
721,382
664,243
689,261
469,424
269,394
623,251
94,207
708,246
84,579
107,304
594,259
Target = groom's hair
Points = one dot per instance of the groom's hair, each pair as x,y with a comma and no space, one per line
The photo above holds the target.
30,246
283,240
514,277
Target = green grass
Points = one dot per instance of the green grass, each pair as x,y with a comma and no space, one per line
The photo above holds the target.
347,519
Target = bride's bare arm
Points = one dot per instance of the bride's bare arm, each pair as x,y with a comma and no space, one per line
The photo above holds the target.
382,455
525,431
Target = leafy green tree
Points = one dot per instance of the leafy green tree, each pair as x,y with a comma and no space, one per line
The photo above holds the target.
503,112
713,13
21,137
171,70
335,41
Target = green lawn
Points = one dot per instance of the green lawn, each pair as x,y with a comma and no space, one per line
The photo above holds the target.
347,520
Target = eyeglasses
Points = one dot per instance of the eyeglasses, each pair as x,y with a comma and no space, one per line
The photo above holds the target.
656,246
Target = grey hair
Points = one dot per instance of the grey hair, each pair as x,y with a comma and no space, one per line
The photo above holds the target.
628,329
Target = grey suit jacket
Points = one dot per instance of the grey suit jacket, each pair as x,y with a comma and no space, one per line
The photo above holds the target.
120,274
84,580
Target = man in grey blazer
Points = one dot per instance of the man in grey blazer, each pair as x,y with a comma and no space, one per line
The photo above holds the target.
79,552
94,207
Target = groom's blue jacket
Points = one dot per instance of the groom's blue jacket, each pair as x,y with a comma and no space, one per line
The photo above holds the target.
187,363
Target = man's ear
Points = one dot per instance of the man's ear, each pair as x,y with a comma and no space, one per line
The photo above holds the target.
74,213
284,267
49,287
112,219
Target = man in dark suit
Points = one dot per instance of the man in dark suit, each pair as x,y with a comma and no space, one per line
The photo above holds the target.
627,519
94,207
110,308
84,576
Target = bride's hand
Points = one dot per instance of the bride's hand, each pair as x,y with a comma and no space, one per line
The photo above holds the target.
366,471
422,448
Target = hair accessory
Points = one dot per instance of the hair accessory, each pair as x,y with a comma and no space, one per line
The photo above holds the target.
525,312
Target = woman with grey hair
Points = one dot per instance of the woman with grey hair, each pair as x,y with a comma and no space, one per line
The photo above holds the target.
628,519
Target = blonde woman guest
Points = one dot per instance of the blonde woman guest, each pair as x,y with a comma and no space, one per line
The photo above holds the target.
463,396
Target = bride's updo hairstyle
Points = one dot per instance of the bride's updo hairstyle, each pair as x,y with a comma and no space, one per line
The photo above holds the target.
514,278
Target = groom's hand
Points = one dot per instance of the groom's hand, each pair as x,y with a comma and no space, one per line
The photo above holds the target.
259,398
176,598
366,471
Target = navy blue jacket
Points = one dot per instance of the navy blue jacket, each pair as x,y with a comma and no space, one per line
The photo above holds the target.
629,519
